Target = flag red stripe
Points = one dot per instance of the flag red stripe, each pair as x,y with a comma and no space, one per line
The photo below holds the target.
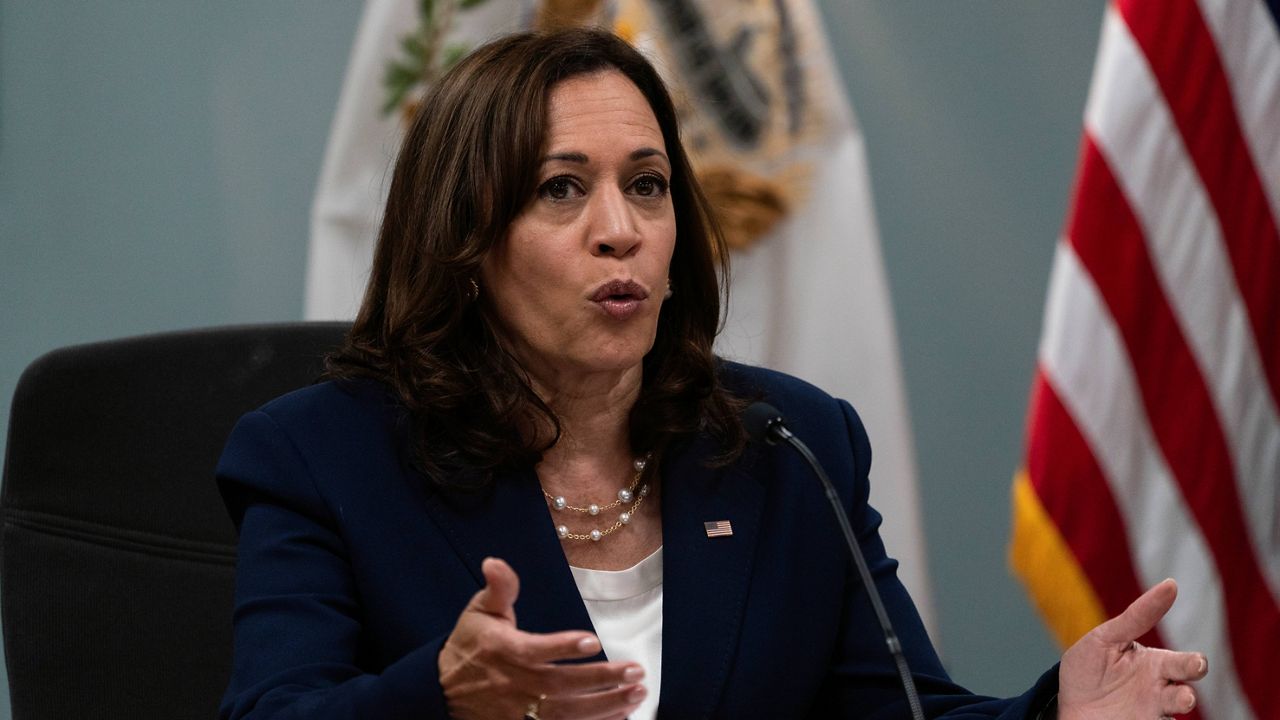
1183,57
1109,242
1074,492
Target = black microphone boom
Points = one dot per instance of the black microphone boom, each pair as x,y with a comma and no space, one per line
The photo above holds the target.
763,422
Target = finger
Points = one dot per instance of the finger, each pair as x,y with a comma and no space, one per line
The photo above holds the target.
597,705
501,587
1140,616
532,649
588,677
1183,666
1177,699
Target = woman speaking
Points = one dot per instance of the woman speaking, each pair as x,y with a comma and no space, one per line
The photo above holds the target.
525,490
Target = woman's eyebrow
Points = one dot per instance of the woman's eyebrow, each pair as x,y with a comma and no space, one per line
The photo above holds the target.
581,158
574,157
645,152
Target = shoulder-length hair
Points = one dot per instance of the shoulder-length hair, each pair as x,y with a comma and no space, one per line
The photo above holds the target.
467,168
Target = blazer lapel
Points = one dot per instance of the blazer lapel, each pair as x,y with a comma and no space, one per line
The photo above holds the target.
705,579
512,522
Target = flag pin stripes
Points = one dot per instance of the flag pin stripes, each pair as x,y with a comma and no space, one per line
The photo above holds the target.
718,528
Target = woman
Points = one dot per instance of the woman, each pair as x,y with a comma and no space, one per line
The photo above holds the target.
498,506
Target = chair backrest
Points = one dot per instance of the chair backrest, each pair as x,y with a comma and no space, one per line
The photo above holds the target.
116,554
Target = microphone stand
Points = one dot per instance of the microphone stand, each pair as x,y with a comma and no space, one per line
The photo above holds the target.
776,431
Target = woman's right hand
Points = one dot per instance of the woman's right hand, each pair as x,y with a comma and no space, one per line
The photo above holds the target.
491,669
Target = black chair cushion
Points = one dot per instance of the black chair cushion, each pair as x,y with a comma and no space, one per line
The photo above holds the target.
116,555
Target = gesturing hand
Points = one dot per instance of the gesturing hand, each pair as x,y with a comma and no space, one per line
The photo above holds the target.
491,669
1107,674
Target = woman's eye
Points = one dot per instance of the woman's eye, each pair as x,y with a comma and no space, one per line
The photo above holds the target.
558,188
649,186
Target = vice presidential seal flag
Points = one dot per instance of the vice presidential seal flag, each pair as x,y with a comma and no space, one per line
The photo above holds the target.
774,143
1153,445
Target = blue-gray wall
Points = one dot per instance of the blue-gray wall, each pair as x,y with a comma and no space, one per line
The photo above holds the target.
972,113
157,161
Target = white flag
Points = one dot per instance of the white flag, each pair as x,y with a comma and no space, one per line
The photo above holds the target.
779,152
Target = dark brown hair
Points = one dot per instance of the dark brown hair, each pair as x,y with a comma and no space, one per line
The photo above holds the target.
467,168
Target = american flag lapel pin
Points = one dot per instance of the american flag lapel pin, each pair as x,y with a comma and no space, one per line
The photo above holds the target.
718,528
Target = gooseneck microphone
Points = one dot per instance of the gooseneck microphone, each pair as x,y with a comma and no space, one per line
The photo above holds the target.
763,422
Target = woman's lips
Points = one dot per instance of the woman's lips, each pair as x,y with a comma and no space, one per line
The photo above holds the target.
620,299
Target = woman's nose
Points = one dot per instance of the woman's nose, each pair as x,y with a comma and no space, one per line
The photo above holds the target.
613,225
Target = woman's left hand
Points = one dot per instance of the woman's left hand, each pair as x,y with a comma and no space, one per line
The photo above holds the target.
1107,674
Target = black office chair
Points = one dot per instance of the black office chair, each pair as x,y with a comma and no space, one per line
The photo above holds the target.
116,554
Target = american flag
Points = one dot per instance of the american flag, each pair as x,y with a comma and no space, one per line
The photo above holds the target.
1153,445
718,528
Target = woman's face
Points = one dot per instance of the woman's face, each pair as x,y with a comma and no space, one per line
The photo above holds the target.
578,282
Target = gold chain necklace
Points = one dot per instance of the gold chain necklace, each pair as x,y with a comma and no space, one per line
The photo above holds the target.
629,494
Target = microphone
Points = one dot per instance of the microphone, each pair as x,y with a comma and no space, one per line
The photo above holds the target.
762,421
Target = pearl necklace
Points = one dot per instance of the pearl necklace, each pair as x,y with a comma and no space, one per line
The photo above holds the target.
627,494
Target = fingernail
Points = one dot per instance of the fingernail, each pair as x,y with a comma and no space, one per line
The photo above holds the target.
632,674
1204,664
636,695
589,645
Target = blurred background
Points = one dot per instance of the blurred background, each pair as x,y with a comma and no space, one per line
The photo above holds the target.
158,162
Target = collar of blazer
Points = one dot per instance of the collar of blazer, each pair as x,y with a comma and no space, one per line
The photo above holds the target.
705,580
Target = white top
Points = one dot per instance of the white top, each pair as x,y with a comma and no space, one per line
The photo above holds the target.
626,608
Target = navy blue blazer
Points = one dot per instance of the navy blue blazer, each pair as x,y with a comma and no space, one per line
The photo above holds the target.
352,570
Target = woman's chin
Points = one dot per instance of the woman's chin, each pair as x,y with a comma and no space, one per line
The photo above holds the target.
620,363
610,358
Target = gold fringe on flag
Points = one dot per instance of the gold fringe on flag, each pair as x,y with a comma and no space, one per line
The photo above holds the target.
1040,558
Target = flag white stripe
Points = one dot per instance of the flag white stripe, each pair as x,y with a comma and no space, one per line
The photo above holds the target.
1083,356
1248,44
1134,130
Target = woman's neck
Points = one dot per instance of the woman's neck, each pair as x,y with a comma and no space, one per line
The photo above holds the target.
591,462
594,448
